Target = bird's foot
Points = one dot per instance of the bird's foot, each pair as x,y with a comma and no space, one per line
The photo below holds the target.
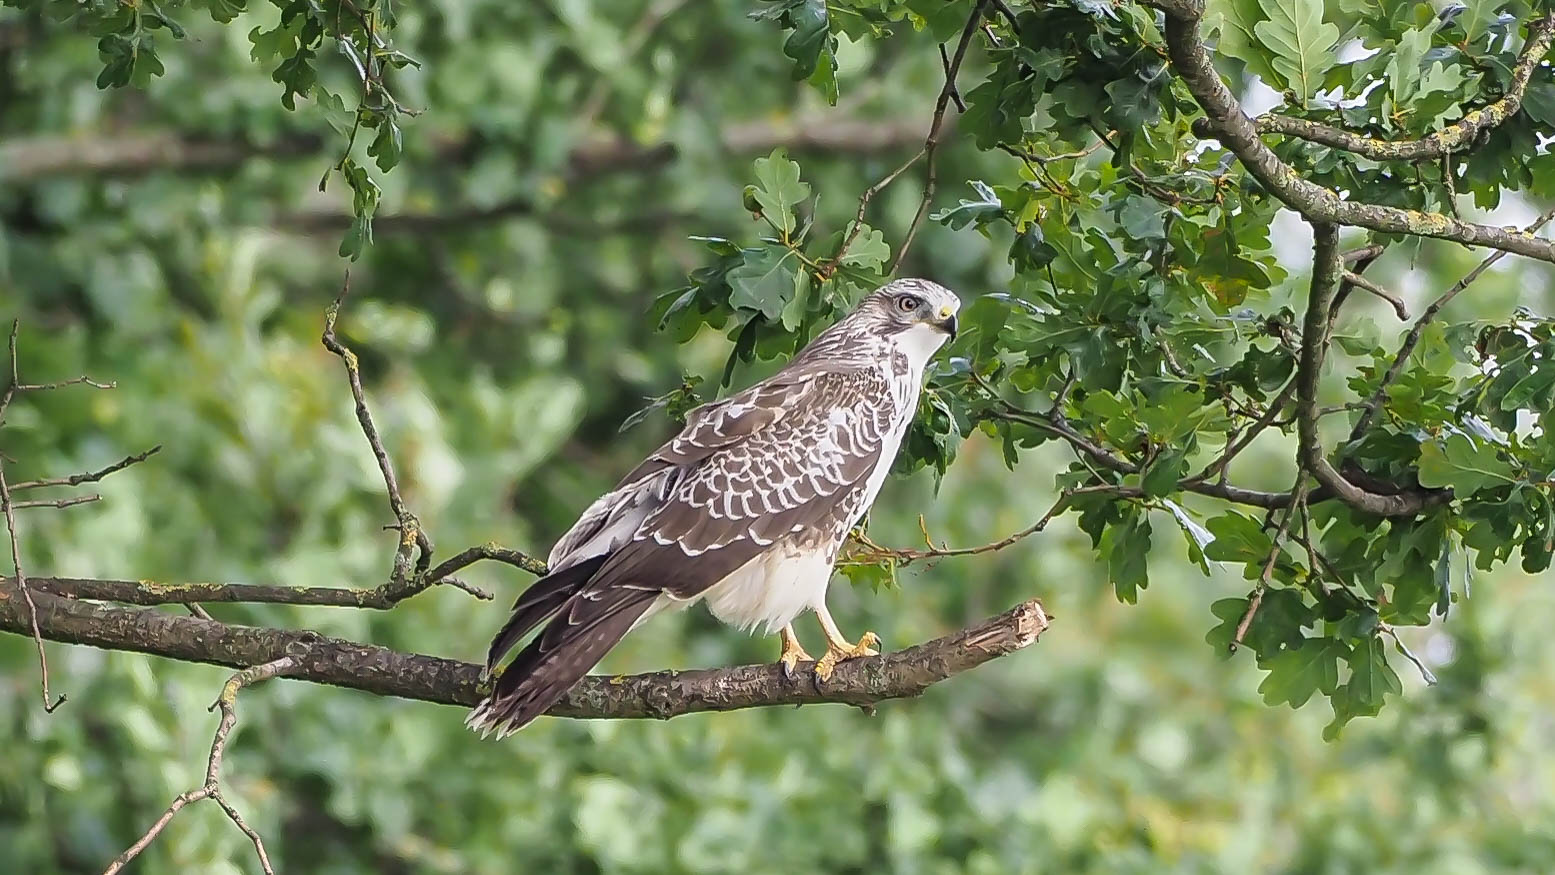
836,652
792,654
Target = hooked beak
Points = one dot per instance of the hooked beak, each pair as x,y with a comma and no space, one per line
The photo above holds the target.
947,321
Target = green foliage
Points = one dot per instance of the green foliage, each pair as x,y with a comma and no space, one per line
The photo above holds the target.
1301,44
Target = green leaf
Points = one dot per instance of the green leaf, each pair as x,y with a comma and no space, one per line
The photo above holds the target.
1142,218
779,190
387,146
224,11
1404,67
878,576
1303,44
793,312
1371,680
985,209
1235,21
1297,673
1127,546
766,280
1463,466
1238,538
868,249
810,37
1162,475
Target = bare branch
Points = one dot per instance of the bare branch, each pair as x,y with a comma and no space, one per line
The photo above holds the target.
386,672
863,205
1317,204
49,703
8,509
412,535
1367,285
1091,450
150,592
931,143
1236,447
1454,139
57,502
211,789
495,552
88,477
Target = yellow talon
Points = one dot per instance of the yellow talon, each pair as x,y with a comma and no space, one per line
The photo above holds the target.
793,653
836,653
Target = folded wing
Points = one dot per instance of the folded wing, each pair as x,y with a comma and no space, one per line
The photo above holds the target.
787,458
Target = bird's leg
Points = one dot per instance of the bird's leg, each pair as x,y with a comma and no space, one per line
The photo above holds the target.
837,647
793,653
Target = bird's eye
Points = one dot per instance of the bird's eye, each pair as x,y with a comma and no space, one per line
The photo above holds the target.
907,303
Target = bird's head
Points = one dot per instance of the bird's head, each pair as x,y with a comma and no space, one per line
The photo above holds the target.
913,306
917,313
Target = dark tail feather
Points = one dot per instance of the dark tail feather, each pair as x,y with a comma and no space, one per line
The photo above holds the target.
543,598
573,642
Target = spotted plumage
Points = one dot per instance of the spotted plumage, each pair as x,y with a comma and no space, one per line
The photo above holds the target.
744,509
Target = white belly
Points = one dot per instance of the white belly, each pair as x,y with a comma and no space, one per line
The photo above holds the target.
769,591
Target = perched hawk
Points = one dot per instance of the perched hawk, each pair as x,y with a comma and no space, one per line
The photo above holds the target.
746,508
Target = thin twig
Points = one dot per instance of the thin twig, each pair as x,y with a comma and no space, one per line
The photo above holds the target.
874,552
1008,13
1374,403
73,381
411,533
490,551
1257,428
8,508
49,703
1425,673
863,204
57,502
931,142
88,477
1298,495
211,789
1367,285
955,94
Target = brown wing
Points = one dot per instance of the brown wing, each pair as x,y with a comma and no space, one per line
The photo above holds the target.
783,458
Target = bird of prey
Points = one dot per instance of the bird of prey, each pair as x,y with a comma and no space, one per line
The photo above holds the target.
744,509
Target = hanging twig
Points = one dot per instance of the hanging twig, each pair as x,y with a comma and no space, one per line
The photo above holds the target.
211,789
931,143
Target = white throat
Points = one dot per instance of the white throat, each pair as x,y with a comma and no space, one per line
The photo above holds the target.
919,343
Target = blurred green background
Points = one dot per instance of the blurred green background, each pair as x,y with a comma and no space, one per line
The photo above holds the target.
173,239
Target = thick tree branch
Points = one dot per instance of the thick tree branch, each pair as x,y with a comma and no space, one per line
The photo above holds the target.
1327,269
1456,138
1232,127
386,672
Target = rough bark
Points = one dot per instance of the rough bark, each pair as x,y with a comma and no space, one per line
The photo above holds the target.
385,672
